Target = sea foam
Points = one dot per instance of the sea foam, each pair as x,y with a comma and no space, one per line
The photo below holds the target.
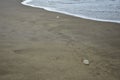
100,10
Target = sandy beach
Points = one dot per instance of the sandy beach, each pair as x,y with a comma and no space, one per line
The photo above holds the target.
37,45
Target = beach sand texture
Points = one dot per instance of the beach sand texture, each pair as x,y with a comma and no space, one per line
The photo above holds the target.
35,45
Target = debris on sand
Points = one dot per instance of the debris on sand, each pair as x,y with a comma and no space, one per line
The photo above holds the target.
57,17
85,61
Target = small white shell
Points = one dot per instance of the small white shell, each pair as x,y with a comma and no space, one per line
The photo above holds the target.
57,17
86,62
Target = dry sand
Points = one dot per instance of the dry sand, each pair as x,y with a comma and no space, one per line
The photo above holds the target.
35,45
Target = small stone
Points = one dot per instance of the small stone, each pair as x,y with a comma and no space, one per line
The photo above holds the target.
57,17
86,62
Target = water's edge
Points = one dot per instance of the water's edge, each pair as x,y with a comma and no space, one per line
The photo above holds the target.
63,12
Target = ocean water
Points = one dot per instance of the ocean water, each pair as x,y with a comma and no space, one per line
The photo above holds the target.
100,10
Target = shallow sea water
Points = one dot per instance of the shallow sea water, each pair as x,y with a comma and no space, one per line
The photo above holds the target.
101,10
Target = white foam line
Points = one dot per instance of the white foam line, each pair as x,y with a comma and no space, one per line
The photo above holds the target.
54,10
26,1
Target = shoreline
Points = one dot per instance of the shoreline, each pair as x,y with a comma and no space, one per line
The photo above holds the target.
63,12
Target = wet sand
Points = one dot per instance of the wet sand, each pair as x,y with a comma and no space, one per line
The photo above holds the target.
35,45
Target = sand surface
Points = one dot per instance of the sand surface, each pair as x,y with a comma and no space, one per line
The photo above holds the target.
35,45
